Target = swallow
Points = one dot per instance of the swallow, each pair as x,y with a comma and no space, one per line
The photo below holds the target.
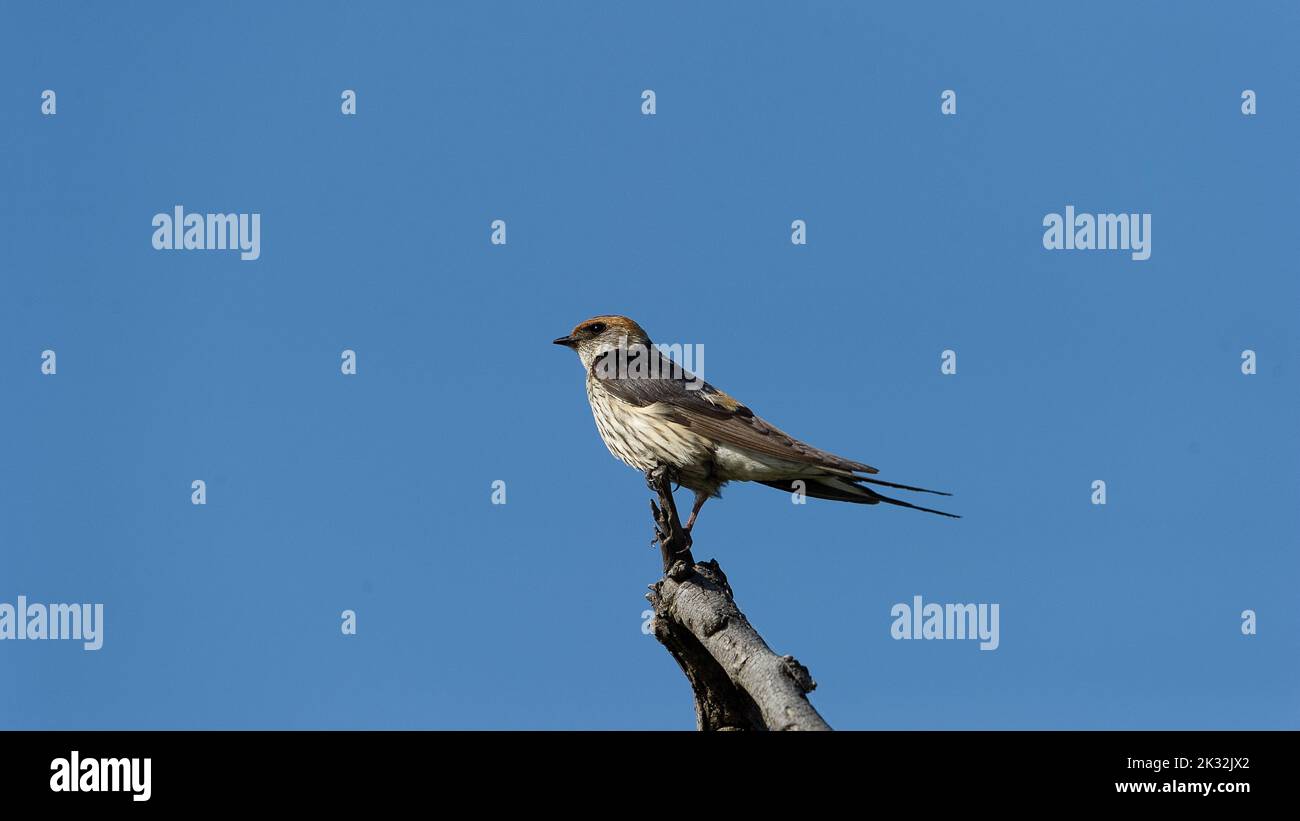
651,412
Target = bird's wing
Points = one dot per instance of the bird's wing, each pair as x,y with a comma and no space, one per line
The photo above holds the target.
712,413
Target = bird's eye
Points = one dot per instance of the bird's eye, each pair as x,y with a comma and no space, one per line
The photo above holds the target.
596,327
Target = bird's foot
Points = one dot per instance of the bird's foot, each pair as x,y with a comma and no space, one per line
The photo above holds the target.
657,476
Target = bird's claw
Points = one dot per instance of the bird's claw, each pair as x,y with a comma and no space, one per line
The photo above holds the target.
657,474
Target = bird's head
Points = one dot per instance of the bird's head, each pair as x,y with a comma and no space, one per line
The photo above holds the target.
603,333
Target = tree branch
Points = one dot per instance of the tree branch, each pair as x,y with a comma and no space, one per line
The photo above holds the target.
738,682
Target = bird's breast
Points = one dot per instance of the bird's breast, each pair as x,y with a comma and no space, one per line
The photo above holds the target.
643,438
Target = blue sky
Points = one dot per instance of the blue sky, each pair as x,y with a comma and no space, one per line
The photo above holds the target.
372,492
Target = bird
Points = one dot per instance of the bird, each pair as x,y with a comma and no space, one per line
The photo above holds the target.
652,413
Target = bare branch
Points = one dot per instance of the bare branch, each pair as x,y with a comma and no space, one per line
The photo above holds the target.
738,682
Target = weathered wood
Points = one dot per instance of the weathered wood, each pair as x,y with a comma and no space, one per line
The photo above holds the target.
738,682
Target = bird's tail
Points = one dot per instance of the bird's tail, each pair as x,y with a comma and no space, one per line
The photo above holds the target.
840,489
901,487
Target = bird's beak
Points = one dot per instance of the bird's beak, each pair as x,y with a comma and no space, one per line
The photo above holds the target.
566,341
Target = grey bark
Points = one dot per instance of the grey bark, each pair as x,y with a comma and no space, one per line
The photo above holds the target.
738,682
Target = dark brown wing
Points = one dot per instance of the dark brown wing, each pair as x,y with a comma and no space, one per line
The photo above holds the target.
697,405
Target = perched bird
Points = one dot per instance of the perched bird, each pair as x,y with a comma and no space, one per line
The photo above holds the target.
652,412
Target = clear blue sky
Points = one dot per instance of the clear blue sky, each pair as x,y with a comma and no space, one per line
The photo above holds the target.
372,492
